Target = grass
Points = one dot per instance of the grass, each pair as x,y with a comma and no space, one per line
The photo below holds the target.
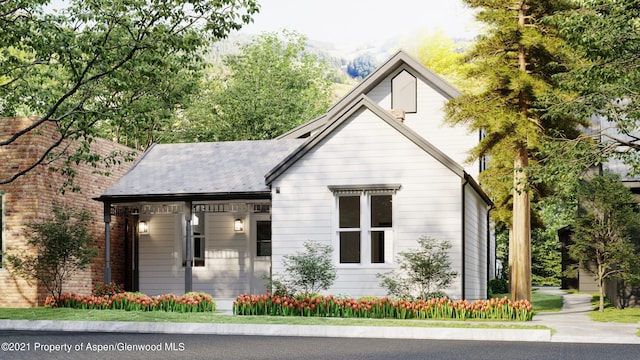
42,313
611,314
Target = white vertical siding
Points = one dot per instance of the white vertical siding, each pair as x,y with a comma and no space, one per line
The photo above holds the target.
455,141
475,245
366,150
160,265
227,267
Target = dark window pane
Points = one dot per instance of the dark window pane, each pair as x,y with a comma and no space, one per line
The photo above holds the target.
197,248
381,211
350,247
349,208
377,247
264,248
263,235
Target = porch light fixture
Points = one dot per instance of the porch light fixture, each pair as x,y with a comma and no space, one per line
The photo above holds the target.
238,226
143,227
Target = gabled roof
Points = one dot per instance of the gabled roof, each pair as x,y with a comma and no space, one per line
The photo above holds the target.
202,170
336,120
399,60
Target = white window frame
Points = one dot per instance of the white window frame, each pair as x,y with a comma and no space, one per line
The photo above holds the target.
202,238
365,192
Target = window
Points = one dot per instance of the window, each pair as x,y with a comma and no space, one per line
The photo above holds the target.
404,92
263,238
197,240
365,224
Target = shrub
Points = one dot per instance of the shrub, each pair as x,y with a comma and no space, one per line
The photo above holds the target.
422,272
308,272
497,286
63,246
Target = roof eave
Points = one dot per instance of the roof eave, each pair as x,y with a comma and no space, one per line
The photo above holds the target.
253,195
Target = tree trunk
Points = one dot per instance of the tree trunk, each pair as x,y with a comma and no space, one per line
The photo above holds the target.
521,237
601,287
520,258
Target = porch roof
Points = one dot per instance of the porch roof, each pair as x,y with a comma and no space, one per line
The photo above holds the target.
190,170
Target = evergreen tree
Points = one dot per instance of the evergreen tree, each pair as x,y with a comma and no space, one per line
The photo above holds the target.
516,58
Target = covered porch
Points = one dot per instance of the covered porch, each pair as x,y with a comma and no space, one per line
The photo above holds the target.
221,247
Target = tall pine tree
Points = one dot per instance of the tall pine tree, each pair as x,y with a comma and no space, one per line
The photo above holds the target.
516,58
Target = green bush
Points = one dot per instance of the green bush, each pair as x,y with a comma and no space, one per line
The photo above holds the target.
421,272
307,272
498,286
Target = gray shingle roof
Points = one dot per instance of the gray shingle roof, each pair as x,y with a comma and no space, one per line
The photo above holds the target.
203,168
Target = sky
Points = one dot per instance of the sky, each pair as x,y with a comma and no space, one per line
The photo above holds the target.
356,22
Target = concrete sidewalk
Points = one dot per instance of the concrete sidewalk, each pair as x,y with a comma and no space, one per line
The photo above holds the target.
572,324
569,325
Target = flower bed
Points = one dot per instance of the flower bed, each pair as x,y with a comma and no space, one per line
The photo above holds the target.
190,302
379,308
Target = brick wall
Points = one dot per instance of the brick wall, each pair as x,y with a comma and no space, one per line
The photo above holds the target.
30,197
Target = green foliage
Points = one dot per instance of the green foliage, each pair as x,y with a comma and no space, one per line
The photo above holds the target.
106,67
445,57
516,64
421,272
62,245
311,271
604,229
270,87
498,286
604,33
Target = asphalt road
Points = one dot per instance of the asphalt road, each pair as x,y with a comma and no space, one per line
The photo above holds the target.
66,345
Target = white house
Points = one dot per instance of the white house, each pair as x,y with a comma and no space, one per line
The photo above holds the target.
375,173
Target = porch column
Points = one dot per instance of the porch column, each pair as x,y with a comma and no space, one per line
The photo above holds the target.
107,242
188,277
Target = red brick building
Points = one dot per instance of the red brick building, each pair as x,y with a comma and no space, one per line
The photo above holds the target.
30,198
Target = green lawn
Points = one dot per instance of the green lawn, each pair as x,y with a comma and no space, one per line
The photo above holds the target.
540,302
611,314
42,313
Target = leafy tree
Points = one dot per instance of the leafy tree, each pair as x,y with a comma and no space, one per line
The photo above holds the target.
311,271
605,34
270,87
362,66
516,60
422,273
62,245
603,230
97,60
445,57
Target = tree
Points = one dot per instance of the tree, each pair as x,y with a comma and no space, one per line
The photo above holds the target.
605,34
90,60
311,271
270,87
516,60
445,57
422,273
62,245
603,230
362,66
